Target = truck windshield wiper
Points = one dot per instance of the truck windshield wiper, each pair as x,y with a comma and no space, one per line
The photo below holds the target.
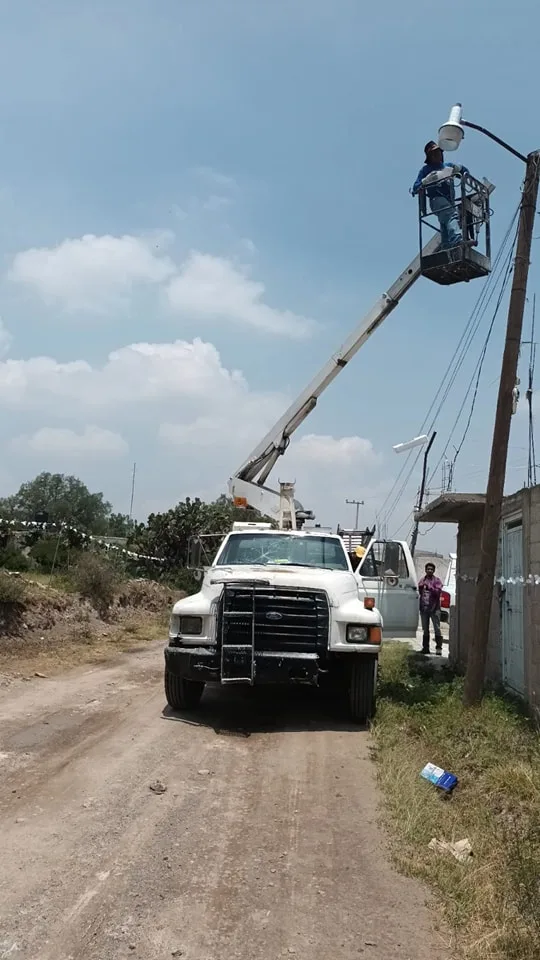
293,563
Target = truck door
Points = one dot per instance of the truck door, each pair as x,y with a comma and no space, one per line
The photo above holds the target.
387,573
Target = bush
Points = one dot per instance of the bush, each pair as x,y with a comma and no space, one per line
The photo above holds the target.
184,579
12,591
96,579
48,553
11,558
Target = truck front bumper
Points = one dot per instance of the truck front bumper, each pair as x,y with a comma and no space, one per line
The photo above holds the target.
204,663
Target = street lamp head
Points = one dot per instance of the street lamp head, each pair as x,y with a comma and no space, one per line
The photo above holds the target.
451,133
409,444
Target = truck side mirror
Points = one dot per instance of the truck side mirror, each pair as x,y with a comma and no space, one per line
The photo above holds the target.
194,557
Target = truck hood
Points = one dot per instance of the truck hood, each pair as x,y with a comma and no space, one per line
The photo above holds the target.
340,585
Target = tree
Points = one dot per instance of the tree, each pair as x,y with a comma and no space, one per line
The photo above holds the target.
119,525
61,499
7,508
168,534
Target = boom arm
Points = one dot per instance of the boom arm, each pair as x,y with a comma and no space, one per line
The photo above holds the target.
248,482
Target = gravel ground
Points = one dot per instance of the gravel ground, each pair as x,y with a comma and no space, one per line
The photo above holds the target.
247,830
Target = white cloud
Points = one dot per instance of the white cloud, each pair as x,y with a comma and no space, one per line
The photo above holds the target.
234,422
335,451
92,273
189,421
137,373
100,274
5,339
216,179
212,288
91,442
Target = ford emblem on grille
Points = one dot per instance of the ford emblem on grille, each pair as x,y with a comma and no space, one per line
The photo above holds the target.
274,615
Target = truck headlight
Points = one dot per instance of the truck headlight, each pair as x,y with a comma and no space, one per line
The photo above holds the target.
356,634
174,625
191,625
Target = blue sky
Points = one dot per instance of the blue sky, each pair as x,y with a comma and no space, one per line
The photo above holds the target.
227,182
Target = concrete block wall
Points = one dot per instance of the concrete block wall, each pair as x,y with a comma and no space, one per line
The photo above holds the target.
531,599
468,561
527,503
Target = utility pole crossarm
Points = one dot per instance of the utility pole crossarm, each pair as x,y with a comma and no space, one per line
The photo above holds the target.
262,459
357,504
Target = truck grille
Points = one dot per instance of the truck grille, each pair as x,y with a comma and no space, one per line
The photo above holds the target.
286,619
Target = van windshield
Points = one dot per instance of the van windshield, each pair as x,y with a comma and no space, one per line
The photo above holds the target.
283,550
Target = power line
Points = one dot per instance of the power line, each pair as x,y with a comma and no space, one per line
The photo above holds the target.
478,368
531,466
454,366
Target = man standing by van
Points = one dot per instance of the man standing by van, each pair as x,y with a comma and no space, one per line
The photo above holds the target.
430,589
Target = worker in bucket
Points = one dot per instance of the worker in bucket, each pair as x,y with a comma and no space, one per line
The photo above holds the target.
430,589
441,194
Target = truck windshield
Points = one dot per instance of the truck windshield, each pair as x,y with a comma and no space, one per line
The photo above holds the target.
256,548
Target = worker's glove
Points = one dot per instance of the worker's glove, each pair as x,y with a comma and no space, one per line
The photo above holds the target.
457,169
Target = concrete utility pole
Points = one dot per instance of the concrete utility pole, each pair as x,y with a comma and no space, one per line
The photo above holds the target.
479,640
357,504
450,137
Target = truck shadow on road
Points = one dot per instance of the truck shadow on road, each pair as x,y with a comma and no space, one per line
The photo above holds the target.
244,712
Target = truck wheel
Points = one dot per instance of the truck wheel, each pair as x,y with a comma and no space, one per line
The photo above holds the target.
182,694
362,678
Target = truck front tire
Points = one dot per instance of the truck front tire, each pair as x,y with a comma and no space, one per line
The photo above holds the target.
182,694
362,680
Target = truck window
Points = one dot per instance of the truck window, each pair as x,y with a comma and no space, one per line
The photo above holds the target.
384,558
307,551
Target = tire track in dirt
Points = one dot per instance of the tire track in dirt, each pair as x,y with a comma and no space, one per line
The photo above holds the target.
264,845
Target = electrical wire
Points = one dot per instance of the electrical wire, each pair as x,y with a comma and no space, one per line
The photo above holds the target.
454,366
410,516
531,466
477,372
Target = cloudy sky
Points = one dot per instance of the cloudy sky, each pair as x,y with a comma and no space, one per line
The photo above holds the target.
200,199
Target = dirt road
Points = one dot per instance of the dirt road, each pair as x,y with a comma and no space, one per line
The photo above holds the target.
264,844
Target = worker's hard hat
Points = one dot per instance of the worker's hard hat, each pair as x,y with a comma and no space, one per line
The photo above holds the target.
360,551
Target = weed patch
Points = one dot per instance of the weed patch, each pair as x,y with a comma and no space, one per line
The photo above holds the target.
492,903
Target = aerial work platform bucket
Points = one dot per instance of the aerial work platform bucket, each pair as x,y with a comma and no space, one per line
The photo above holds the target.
467,214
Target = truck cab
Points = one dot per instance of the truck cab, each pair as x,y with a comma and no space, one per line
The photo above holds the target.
284,607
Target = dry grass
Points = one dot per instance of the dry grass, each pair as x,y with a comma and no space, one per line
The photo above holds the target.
51,627
79,644
492,904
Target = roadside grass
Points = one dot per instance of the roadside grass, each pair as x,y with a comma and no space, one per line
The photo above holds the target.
492,903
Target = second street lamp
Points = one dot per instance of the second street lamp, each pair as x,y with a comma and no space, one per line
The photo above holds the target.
408,445
450,136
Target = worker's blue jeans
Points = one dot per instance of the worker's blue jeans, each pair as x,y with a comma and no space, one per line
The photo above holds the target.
434,617
448,220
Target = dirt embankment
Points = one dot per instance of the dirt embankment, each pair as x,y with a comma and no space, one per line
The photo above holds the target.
44,624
